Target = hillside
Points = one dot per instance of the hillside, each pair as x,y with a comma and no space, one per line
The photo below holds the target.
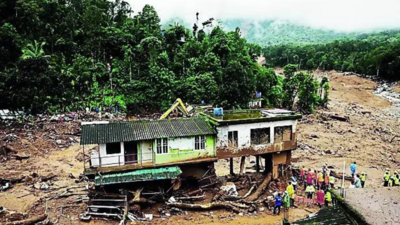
280,32
273,32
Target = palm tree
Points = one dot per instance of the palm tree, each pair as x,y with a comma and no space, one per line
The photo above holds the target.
31,51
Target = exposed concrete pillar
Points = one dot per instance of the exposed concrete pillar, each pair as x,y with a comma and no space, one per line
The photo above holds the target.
257,163
242,165
231,166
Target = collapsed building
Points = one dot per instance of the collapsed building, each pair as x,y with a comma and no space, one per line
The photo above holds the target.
266,134
125,152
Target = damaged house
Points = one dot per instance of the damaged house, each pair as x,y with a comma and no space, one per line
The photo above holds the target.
267,134
124,152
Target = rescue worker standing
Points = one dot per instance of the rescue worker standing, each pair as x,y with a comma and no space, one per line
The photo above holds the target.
396,178
278,204
310,190
326,179
332,181
363,178
290,190
328,198
286,201
386,178
320,178
391,181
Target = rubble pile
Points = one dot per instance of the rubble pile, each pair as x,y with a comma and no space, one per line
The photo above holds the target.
244,195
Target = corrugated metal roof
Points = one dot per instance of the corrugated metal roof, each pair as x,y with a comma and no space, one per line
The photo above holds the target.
143,130
139,175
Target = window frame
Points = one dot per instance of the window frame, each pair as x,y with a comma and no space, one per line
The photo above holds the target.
162,147
230,140
200,143
282,129
258,143
114,143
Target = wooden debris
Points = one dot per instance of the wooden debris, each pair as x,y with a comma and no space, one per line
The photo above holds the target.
191,197
260,189
250,191
336,117
236,207
242,165
21,157
28,221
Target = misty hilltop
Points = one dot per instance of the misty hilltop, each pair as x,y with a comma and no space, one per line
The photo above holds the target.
274,32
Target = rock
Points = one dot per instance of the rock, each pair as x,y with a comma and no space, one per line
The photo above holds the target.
37,185
328,151
44,186
262,209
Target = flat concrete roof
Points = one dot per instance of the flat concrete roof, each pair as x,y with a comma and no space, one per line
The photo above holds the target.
252,116
377,206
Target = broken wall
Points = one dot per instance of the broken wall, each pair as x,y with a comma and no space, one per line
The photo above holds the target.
280,161
286,139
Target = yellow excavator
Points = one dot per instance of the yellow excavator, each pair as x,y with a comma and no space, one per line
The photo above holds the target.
178,104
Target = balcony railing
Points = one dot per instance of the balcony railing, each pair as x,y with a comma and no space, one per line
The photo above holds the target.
140,159
118,160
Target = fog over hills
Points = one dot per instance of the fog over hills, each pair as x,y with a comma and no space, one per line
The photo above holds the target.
285,21
339,15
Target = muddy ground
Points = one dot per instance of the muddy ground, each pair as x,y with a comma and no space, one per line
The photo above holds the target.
377,206
370,137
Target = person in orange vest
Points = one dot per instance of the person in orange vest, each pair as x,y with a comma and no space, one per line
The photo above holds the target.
326,180
302,173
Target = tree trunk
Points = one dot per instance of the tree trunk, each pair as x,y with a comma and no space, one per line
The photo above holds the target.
242,165
228,205
377,70
29,221
260,189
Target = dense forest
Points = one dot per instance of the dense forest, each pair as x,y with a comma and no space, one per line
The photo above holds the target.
66,55
374,54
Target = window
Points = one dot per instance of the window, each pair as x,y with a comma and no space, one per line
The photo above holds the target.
283,133
113,148
199,142
233,139
260,136
162,146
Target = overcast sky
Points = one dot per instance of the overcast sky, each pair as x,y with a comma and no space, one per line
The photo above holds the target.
341,15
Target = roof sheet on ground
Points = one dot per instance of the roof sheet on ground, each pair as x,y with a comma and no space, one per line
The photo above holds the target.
139,175
143,130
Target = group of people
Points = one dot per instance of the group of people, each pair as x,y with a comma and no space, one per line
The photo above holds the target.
320,179
358,179
286,200
317,180
390,180
317,184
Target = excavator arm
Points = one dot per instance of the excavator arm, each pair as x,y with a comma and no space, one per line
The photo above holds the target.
177,104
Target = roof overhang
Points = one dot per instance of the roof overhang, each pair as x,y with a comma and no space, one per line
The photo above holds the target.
139,175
